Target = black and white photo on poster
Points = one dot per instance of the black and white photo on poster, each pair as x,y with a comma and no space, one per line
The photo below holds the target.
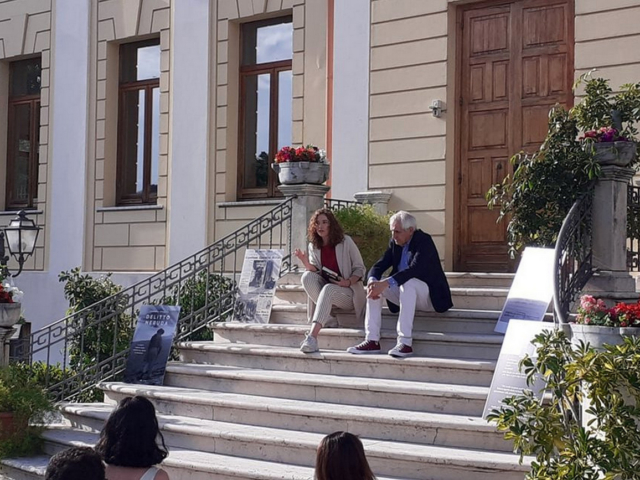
151,344
260,273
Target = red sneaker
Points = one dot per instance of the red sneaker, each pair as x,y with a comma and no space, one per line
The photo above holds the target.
401,350
368,346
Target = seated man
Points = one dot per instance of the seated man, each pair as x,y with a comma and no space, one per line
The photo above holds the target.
75,463
417,281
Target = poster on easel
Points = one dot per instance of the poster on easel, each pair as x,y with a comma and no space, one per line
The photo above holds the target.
257,285
531,290
151,344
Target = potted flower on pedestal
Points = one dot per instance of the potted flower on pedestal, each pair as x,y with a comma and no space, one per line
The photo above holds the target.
10,306
301,165
600,325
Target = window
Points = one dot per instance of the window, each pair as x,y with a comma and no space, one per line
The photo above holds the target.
23,133
265,103
138,123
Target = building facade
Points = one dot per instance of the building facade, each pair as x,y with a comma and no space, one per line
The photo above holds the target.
136,132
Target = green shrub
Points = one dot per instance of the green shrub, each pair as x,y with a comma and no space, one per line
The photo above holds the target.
202,297
22,395
369,230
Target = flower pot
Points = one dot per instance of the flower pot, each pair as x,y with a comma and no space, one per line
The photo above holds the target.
620,154
292,173
9,314
598,336
9,425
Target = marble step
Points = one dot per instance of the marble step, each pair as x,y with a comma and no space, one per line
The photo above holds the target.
454,320
363,391
24,468
319,417
187,464
480,298
442,370
432,344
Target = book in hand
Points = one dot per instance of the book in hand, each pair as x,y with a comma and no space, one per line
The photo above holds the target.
329,274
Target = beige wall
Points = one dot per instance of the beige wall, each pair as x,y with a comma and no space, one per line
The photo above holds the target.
25,31
607,38
407,144
125,238
309,91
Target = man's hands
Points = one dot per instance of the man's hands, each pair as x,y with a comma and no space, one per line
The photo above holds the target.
375,288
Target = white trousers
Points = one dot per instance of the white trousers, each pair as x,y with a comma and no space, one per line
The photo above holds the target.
411,296
325,295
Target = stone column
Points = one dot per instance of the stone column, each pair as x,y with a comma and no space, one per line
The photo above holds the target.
378,198
307,199
612,282
5,336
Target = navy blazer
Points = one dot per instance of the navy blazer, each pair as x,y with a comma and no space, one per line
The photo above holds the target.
424,264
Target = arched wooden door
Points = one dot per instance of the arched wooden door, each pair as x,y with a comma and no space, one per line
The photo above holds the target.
516,62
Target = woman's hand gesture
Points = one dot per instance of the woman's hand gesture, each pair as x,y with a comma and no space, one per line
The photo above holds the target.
303,257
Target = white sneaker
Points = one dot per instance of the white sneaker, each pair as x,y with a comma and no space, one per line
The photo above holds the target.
309,345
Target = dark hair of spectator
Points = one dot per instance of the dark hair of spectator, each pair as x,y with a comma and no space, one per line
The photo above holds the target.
341,456
336,234
75,463
128,439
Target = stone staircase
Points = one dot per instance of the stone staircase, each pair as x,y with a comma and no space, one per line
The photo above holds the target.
249,405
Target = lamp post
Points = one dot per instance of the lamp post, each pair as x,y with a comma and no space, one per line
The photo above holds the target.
21,235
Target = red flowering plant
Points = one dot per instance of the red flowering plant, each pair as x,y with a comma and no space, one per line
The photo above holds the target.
310,153
604,134
9,293
595,312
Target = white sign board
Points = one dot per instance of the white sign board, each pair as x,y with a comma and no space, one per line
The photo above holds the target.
260,272
532,288
507,379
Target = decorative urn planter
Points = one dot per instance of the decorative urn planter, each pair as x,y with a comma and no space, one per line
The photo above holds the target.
598,335
292,173
620,154
9,314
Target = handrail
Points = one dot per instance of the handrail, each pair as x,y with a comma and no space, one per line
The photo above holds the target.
573,256
205,282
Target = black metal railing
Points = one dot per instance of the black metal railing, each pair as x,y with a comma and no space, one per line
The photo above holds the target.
92,344
573,256
335,204
633,228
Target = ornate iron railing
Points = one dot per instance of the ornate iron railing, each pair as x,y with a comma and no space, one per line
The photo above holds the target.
573,256
633,228
335,204
92,344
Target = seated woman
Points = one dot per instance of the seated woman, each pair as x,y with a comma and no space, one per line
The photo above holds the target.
330,249
341,456
128,442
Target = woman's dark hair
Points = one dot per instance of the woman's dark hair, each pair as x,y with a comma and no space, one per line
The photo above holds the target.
336,234
341,457
128,439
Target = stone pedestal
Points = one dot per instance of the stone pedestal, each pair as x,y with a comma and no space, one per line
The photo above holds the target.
612,283
5,336
378,198
307,199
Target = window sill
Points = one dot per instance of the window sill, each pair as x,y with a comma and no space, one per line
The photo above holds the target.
251,203
13,213
129,208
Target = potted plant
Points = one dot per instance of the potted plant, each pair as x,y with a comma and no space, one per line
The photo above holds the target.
536,198
369,230
301,165
566,448
599,325
10,306
23,407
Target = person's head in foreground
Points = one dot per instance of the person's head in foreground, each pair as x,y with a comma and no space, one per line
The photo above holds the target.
341,456
75,463
128,438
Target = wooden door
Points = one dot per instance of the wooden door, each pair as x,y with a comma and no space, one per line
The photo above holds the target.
516,62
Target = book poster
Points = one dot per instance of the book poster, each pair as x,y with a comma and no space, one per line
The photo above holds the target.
507,379
260,272
151,344
531,290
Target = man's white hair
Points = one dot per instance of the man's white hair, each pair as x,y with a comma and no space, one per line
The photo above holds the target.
405,219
